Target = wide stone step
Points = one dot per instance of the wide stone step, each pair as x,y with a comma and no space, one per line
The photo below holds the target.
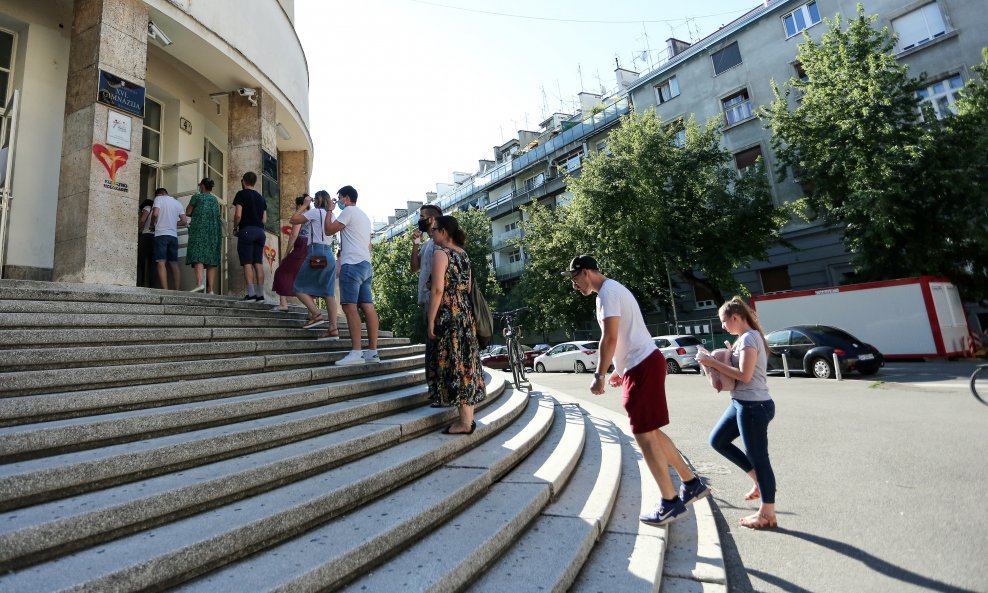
164,556
487,527
104,308
32,440
69,379
55,405
329,556
146,322
32,534
88,356
47,338
567,529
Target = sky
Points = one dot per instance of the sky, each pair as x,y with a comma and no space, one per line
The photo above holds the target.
405,92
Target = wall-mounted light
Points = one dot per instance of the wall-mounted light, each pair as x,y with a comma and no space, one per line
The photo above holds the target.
215,98
282,132
158,35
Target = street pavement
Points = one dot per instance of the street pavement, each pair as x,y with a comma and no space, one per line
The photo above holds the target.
883,480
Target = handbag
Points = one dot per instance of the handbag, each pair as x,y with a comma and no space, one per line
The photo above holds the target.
317,262
717,380
481,315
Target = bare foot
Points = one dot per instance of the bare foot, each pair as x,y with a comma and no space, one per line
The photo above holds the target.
759,521
753,494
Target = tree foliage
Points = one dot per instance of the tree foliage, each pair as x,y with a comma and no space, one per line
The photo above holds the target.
648,207
908,190
395,286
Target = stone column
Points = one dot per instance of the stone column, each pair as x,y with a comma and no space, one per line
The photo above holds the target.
251,129
95,228
294,182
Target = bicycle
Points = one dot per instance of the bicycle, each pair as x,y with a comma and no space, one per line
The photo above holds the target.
980,377
512,337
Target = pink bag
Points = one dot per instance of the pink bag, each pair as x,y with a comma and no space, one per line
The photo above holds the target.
718,381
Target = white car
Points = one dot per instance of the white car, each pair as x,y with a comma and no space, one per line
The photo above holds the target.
579,357
680,352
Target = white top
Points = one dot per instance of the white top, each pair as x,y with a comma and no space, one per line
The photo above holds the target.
425,270
355,236
634,344
147,221
170,211
317,223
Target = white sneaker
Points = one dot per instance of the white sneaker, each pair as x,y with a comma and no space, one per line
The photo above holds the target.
368,357
353,358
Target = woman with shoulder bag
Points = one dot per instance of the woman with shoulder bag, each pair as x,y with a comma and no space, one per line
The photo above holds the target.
317,274
750,411
284,276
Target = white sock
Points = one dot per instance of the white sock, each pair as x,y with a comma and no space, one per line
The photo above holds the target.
250,290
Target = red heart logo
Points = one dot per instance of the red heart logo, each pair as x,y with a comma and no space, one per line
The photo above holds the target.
112,160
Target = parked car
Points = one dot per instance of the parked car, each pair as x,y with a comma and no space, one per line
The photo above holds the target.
497,357
577,356
811,349
680,352
540,348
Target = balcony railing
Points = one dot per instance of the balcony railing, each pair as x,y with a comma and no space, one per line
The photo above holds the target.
510,270
501,240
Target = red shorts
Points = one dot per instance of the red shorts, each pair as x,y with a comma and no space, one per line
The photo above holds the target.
645,394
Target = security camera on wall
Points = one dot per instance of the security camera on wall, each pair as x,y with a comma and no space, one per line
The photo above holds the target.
249,94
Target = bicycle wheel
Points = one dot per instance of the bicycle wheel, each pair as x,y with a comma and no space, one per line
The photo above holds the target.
514,363
520,357
979,383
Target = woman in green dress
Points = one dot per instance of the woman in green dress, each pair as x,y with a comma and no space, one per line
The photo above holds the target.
205,236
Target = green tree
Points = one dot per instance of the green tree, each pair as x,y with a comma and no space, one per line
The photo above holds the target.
395,286
649,208
906,190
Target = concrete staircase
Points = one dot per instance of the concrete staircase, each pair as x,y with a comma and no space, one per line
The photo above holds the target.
154,440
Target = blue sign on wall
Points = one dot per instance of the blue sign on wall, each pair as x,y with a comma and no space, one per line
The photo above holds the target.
120,94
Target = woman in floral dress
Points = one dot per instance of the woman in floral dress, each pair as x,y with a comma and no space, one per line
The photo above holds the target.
205,236
457,379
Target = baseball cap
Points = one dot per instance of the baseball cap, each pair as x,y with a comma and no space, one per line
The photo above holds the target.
580,263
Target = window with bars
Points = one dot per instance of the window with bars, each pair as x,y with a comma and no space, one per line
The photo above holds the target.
726,58
919,26
802,18
666,90
737,107
942,95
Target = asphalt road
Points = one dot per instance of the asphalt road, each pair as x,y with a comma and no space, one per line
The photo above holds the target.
883,481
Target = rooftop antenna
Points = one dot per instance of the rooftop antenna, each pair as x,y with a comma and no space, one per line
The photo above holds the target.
560,91
617,61
648,44
579,71
603,89
545,102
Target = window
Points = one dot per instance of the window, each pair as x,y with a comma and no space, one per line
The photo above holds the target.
6,62
803,17
510,227
535,182
942,96
213,159
778,339
919,26
737,107
726,58
662,343
775,280
704,297
514,256
800,72
602,146
800,339
151,138
747,158
271,191
667,90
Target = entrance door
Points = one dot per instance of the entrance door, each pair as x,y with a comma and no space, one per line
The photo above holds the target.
8,138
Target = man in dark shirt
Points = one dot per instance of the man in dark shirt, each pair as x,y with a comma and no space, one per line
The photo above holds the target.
250,217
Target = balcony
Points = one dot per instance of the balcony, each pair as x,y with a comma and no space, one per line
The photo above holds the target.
502,240
509,271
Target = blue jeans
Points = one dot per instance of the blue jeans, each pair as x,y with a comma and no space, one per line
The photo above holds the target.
749,420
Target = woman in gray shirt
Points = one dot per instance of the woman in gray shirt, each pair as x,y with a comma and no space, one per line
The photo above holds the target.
750,411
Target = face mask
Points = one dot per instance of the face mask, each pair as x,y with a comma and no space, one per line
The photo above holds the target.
424,225
341,205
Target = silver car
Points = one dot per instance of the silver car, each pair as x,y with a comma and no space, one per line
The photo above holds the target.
680,352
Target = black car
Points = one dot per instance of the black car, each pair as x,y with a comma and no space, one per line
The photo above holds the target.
811,348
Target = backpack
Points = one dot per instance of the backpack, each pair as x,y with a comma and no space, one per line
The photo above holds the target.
481,315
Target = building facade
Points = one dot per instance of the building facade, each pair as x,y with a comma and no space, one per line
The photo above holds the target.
727,75
117,97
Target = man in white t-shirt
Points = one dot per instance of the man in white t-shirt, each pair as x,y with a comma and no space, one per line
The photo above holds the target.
640,369
167,214
354,227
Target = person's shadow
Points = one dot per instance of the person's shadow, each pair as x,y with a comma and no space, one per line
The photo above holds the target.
873,562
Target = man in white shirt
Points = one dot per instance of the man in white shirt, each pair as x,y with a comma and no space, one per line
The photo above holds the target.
167,214
354,227
640,369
